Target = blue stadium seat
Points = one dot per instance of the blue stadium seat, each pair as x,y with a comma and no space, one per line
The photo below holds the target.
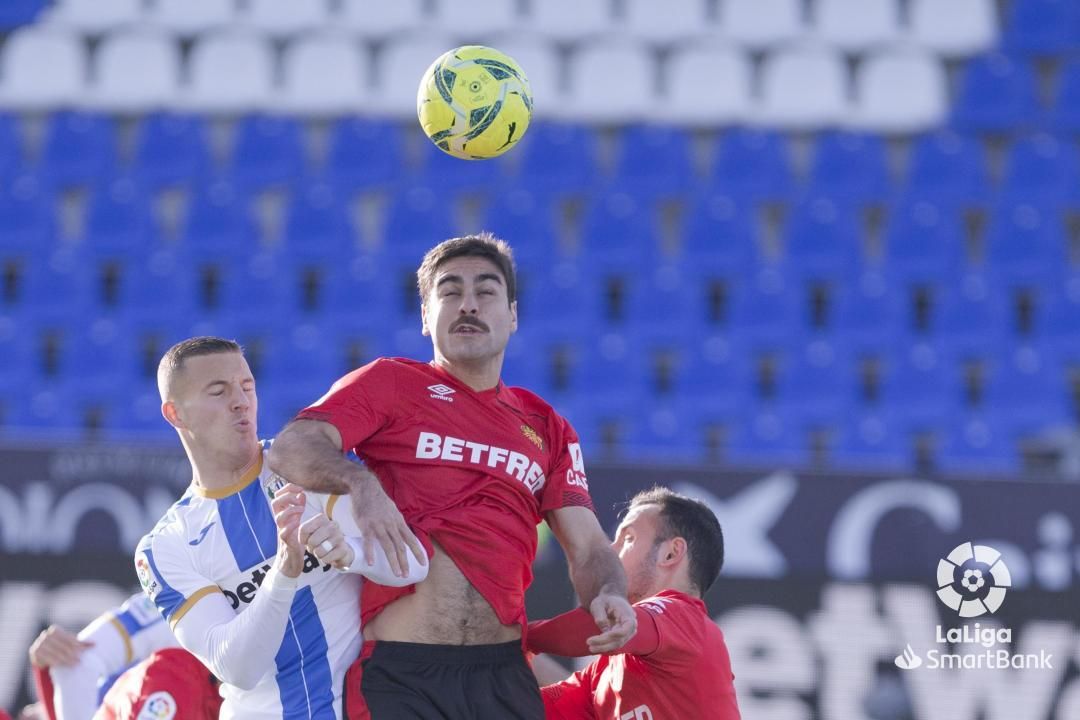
971,315
249,294
768,308
1042,27
1027,383
526,220
556,303
920,386
1065,114
1042,169
417,218
947,167
923,242
171,149
1026,242
118,221
78,149
677,431
662,307
816,381
56,294
27,217
871,442
160,294
104,356
822,239
718,232
869,311
267,151
219,224
1059,321
850,165
14,13
768,439
996,94
11,150
715,371
358,302
654,159
618,233
364,153
299,366
611,371
444,172
754,164
317,227
559,157
977,445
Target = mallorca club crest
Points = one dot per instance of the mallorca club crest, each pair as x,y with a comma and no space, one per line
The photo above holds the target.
533,436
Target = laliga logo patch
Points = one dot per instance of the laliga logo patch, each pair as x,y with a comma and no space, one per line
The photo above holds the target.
147,579
159,706
972,580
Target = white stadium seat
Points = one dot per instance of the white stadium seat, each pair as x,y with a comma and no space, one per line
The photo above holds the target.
472,21
95,16
401,65
191,17
706,85
856,25
43,68
283,18
803,88
571,20
378,20
229,73
954,28
611,82
135,72
760,24
539,58
900,91
325,75
666,22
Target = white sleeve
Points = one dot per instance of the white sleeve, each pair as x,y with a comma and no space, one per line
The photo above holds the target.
239,648
336,508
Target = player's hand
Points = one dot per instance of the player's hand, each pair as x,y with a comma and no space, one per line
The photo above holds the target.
288,506
34,711
617,622
57,646
379,521
323,539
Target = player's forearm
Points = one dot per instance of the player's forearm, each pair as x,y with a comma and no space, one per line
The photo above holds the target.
597,572
303,454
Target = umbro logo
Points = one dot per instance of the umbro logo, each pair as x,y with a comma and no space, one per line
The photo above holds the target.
441,392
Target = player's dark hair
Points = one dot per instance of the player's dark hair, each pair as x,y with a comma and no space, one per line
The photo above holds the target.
173,359
484,245
694,522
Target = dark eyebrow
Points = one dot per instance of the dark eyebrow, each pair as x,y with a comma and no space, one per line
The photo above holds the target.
448,278
489,276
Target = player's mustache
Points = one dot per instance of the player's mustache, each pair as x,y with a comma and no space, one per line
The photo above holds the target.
468,321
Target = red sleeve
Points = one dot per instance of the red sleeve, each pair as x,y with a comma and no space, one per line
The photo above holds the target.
357,404
43,683
565,635
566,485
570,699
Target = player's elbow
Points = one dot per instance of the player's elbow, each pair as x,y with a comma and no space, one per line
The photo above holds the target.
416,573
242,675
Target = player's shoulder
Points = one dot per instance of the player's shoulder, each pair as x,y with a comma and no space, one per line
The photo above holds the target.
673,604
174,523
531,403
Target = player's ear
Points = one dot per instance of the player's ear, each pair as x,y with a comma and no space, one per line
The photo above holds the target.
513,317
168,411
672,552
424,329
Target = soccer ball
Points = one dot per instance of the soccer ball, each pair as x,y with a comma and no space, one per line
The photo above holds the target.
474,102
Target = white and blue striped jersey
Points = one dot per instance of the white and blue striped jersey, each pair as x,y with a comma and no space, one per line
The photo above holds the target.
225,542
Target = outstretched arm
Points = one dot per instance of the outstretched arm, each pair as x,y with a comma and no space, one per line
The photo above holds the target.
596,573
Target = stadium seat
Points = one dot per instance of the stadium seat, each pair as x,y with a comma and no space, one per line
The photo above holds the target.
760,24
611,372
667,23
923,243
44,68
654,160
364,153
955,29
1025,242
446,173
95,16
1059,324
1042,27
971,316
996,94
284,18
569,20
977,445
26,216
317,228
822,239
594,97
219,224
267,151
1027,383
11,147
1042,169
856,25
158,298
118,221
472,21
723,99
1065,113
559,157
527,221
78,149
324,74
768,439
379,21
135,72
402,62
188,18
618,233
660,311
56,294
850,166
900,91
754,164
871,442
947,167
816,381
803,88
171,149
229,73
868,312
540,59
20,12
766,310
718,233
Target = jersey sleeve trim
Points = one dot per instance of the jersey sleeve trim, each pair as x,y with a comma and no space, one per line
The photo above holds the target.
129,651
190,602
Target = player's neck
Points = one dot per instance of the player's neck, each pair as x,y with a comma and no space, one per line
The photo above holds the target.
480,375
217,470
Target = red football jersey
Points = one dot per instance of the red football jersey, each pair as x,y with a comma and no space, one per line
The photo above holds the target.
170,683
475,471
686,675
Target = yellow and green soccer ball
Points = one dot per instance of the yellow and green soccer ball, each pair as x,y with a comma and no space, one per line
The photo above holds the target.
474,102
